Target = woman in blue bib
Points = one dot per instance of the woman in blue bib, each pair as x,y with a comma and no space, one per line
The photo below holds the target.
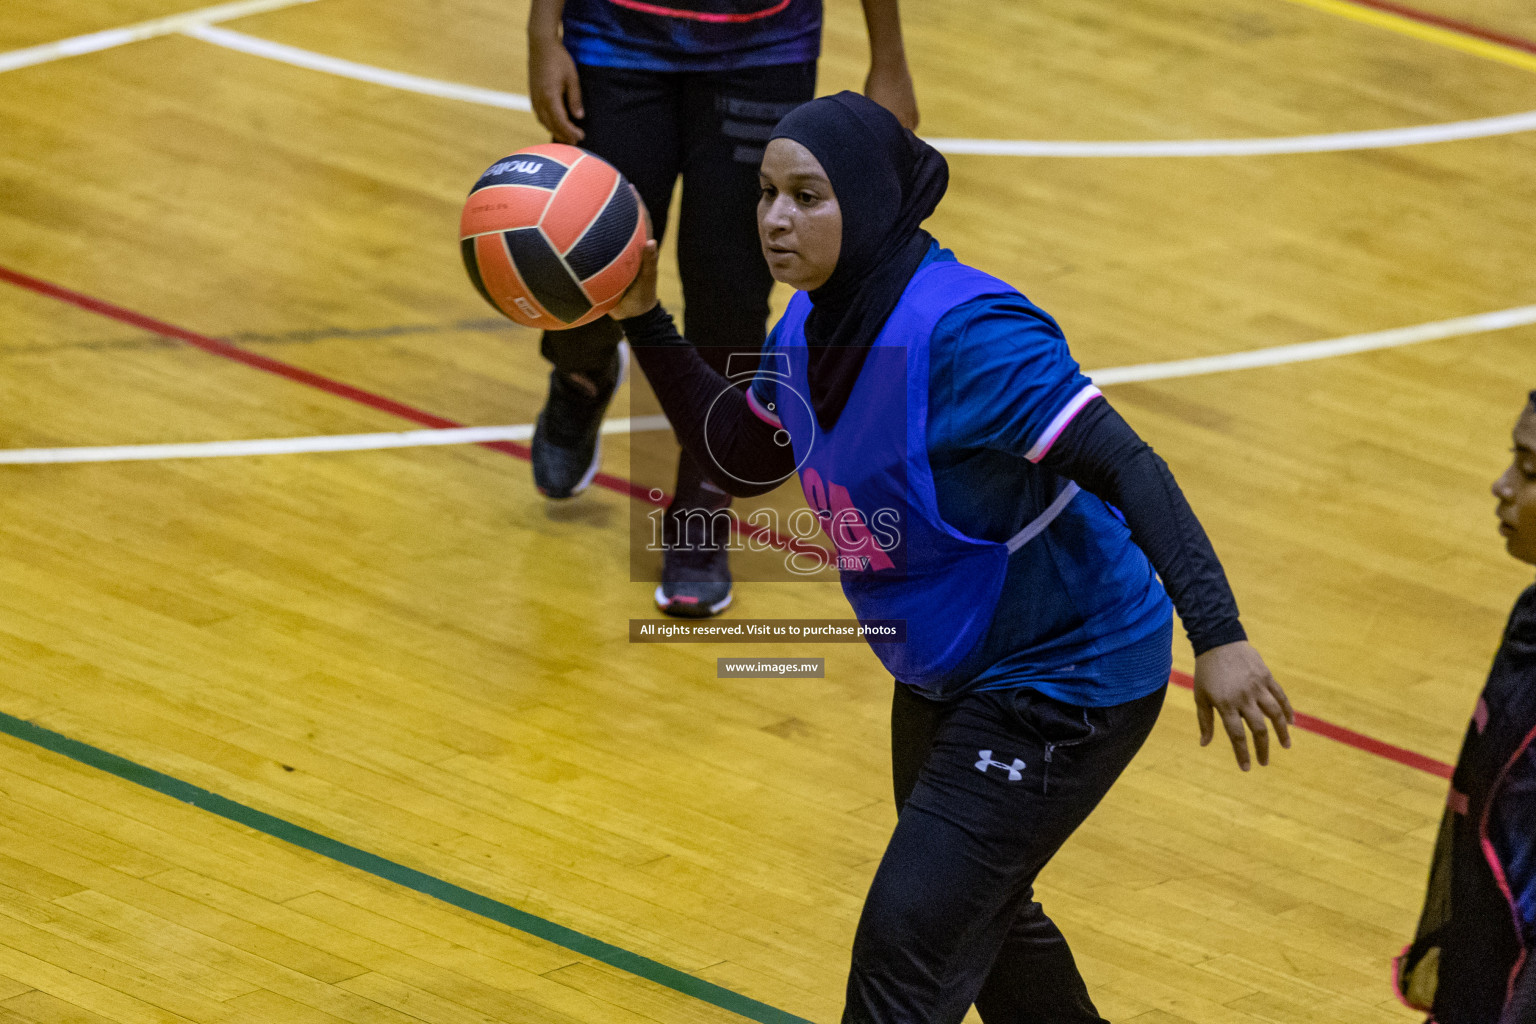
979,488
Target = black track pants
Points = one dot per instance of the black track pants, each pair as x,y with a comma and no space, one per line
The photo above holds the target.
989,786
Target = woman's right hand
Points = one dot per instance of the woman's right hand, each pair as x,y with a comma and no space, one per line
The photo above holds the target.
641,295
555,89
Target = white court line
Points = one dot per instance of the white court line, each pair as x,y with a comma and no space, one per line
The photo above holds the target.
1384,138
197,25
296,445
1381,138
91,43
362,72
1275,356
1309,350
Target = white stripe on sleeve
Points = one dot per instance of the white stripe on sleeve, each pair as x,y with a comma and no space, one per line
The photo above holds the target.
1059,423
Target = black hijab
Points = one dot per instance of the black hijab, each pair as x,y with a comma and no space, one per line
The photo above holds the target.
887,181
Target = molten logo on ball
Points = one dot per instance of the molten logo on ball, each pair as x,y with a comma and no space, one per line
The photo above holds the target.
551,236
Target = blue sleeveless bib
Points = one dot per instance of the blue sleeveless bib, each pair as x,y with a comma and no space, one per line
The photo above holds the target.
869,480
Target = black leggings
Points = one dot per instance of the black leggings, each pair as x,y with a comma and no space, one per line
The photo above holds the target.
989,787
709,128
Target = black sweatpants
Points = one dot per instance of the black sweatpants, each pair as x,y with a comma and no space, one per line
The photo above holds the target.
989,787
709,128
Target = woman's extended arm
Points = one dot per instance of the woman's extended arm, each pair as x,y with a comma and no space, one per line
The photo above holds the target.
1101,453
739,446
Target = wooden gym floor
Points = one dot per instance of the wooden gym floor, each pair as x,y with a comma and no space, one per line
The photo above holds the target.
359,736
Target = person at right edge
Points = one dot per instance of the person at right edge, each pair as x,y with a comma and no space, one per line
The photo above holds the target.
978,487
690,89
1473,960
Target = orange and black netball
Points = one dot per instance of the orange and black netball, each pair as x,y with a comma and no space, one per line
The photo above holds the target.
551,236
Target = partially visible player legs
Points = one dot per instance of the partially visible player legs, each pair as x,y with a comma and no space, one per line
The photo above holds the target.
998,781
632,122
727,119
567,444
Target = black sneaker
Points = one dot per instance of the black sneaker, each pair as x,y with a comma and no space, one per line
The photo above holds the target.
567,440
695,568
695,582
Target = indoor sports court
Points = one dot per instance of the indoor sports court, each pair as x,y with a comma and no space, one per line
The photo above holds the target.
314,710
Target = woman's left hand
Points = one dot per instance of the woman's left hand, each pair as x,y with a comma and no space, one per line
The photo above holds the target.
641,295
889,84
1232,681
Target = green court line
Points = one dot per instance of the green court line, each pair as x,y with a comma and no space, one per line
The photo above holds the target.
449,893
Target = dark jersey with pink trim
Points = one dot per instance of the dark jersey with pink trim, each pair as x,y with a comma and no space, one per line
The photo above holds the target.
1471,961
692,35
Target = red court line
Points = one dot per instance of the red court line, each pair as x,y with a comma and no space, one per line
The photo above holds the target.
1350,738
1465,28
287,370
613,483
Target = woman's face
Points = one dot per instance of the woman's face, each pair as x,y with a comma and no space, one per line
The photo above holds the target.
1516,491
798,220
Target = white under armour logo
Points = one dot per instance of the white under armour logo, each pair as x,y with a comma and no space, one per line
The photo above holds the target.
1015,771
